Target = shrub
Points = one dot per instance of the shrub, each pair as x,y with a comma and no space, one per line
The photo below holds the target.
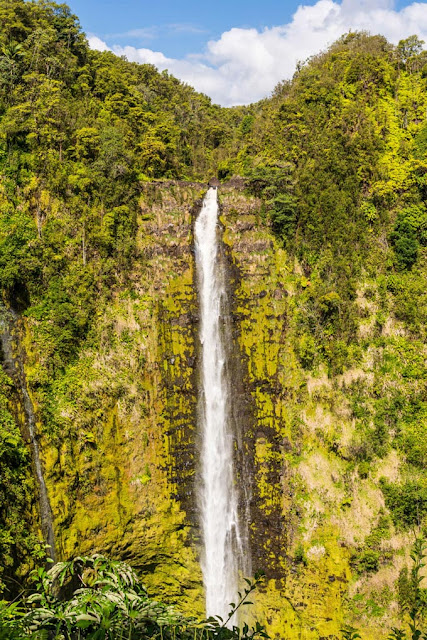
369,560
300,557
363,469
94,598
283,214
407,502
405,244
306,349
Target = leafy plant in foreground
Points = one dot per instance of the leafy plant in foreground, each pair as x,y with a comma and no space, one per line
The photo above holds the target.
349,633
94,598
217,629
415,604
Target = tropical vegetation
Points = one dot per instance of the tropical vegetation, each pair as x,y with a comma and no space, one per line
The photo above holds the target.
100,162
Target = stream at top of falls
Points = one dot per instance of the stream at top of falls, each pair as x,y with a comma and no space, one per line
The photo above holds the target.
217,494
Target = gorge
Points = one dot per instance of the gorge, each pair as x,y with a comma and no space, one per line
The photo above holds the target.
204,383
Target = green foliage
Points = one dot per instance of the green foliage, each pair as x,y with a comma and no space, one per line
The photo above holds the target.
300,556
337,158
368,558
95,598
17,264
368,561
283,214
363,469
350,633
306,350
79,133
273,182
17,540
409,53
412,600
405,244
412,596
412,427
407,502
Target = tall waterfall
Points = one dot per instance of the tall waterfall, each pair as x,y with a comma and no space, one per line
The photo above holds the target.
217,497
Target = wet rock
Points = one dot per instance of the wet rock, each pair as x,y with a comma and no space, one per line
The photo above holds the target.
214,182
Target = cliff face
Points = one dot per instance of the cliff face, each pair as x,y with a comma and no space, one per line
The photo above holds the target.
120,467
303,596
119,461
320,526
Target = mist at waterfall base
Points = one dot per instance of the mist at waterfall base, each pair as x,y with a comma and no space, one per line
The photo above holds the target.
218,501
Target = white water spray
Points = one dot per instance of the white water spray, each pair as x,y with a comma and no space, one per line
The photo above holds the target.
218,498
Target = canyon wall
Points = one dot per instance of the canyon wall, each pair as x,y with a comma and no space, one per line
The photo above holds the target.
120,467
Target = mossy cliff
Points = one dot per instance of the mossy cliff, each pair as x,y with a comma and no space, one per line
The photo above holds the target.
320,526
20,531
116,424
118,427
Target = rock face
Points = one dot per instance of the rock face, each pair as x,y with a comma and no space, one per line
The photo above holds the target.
214,182
120,467
296,596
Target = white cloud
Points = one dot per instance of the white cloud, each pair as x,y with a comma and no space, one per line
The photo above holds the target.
244,65
97,43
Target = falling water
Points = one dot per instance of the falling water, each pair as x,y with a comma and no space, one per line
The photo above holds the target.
217,499
14,368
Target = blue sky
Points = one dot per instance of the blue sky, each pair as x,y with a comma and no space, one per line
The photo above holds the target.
179,28
237,51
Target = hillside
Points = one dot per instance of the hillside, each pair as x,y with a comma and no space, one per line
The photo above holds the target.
102,167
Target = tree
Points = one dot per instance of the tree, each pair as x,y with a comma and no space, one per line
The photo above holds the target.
408,52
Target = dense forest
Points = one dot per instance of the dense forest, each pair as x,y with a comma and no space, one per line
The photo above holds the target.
324,213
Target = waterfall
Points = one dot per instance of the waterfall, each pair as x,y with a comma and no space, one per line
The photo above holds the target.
14,367
218,501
